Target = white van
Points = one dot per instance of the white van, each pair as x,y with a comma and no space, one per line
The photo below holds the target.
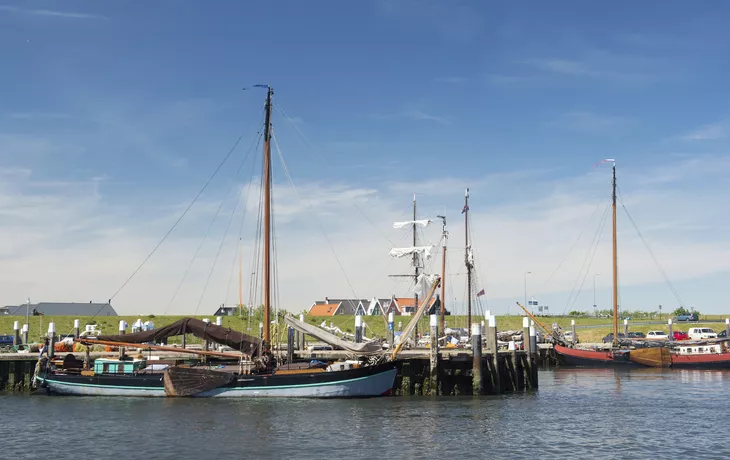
701,333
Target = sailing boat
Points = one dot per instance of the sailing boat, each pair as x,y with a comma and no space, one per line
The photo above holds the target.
254,376
616,356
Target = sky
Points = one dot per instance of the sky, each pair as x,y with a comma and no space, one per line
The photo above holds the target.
113,115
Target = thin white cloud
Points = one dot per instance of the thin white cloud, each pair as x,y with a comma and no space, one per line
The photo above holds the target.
710,132
50,13
412,114
591,122
65,241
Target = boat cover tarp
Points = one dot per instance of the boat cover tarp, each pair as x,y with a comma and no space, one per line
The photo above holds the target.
206,331
364,348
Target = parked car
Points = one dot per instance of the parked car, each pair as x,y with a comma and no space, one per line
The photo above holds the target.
568,335
690,317
679,335
656,335
636,335
722,334
701,333
609,337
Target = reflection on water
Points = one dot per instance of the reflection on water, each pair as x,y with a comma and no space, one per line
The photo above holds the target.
577,413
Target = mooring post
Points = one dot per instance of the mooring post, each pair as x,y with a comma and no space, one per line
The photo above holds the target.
572,330
16,333
476,349
51,339
494,346
533,357
526,334
122,330
261,337
77,329
727,327
434,355
302,344
670,336
358,329
25,334
206,343
626,327
290,345
391,329
485,327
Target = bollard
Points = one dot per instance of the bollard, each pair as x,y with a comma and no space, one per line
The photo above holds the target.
302,345
670,336
358,329
51,339
122,331
495,348
290,345
219,321
476,348
77,329
391,329
526,334
206,343
25,333
261,337
434,354
16,334
572,330
626,328
727,327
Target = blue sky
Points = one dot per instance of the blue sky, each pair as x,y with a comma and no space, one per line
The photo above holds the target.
113,114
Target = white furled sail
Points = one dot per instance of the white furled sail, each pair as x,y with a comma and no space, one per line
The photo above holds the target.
423,282
422,223
425,251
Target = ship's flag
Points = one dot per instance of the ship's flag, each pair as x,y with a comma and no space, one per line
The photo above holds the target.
604,161
480,293
465,208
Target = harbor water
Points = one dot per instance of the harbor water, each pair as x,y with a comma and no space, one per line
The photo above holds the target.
576,413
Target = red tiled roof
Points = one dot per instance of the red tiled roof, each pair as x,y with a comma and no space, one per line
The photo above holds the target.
327,309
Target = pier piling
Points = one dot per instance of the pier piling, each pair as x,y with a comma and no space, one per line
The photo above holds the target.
626,327
391,329
434,354
476,346
670,337
25,334
16,334
77,328
495,375
122,331
290,344
51,339
261,337
302,344
727,327
358,329
572,330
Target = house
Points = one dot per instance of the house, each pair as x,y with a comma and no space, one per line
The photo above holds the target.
227,310
4,310
407,305
63,309
378,307
332,307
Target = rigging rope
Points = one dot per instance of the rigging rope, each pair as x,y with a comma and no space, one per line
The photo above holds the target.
651,253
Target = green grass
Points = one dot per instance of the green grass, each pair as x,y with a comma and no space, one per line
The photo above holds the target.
376,326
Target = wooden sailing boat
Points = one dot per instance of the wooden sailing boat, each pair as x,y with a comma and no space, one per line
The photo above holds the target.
257,378
604,358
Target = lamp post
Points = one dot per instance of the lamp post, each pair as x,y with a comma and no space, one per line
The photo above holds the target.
526,273
27,311
594,294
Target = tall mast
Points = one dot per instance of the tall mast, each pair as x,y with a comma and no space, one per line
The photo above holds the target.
267,221
415,258
467,259
240,276
445,236
615,263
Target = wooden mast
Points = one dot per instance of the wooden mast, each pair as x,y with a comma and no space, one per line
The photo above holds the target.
415,260
615,263
467,259
442,319
240,277
267,221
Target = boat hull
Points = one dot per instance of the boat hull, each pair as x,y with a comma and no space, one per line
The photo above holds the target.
355,383
709,361
574,357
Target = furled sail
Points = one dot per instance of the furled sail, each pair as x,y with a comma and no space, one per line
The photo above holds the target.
324,336
425,251
222,335
422,223
423,282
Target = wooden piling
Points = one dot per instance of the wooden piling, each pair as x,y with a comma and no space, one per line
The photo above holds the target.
670,336
51,339
123,330
476,347
358,329
572,330
391,329
16,334
532,357
527,347
494,347
25,334
261,338
206,343
77,329
290,345
434,352
626,327
727,327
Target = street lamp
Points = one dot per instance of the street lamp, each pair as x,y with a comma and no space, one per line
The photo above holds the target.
594,293
27,312
526,273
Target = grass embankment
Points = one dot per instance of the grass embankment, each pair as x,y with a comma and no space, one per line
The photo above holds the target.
589,329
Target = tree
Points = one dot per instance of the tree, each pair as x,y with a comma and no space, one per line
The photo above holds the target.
680,311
